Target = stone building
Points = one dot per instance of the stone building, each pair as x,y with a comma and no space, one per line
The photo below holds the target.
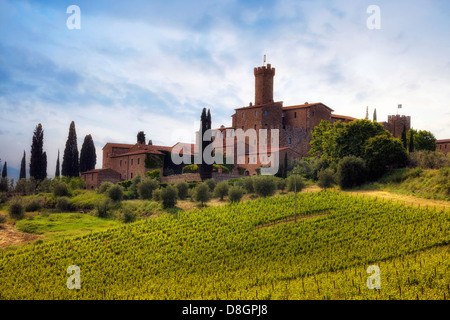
443,145
396,123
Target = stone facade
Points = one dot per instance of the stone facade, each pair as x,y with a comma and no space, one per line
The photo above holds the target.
443,146
395,124
94,178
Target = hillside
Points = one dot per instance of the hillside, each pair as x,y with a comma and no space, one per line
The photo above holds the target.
250,250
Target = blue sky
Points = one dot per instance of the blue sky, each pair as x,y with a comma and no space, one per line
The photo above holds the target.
153,65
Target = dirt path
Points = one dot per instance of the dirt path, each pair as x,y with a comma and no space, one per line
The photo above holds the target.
9,236
405,199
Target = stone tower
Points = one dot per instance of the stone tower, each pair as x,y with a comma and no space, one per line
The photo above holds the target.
264,84
395,124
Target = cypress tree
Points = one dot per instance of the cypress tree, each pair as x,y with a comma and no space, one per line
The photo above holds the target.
141,137
411,141
204,168
403,138
5,171
57,172
375,114
23,172
70,165
88,157
38,166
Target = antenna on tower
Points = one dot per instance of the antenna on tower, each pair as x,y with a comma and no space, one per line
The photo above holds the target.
264,63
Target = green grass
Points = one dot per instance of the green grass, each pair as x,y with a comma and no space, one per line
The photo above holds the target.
57,225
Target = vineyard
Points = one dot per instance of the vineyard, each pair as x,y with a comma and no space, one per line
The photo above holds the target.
251,250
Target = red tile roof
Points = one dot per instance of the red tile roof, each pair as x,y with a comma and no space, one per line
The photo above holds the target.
337,116
118,145
443,141
306,105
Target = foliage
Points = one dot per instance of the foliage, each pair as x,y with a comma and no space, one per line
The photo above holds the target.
309,167
57,170
182,189
146,187
115,193
104,207
23,170
128,215
70,164
33,204
126,184
191,168
86,199
264,186
16,209
235,194
38,158
241,170
326,178
169,196
156,195
153,161
105,186
335,141
216,167
248,184
141,137
428,159
59,188
295,182
221,189
88,156
211,184
154,174
63,204
381,152
351,172
202,193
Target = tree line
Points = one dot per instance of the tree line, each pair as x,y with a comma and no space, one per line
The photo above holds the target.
73,162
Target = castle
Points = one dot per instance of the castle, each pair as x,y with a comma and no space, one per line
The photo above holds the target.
294,125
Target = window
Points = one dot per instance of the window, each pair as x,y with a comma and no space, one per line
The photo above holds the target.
255,126
265,112
295,114
132,175
289,140
139,160
243,114
92,177
242,127
254,159
131,161
248,160
312,115
254,141
120,163
256,113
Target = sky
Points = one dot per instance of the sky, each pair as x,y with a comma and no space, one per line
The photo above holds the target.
153,66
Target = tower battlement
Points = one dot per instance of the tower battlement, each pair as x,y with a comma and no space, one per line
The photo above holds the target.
264,84
264,70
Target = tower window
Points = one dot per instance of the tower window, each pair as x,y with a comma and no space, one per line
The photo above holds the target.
120,163
139,160
132,175
243,114
265,112
256,113
289,140
312,114
132,161
295,114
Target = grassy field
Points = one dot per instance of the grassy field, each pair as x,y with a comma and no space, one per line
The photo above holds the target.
250,250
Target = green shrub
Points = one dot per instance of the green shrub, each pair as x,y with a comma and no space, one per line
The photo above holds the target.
295,182
128,215
33,204
264,186
326,178
16,208
221,190
154,174
104,207
156,195
105,186
63,204
202,193
130,194
351,172
191,168
60,188
134,183
146,187
248,185
211,184
235,194
125,184
182,188
415,173
3,197
217,166
169,196
2,218
85,199
281,184
115,193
